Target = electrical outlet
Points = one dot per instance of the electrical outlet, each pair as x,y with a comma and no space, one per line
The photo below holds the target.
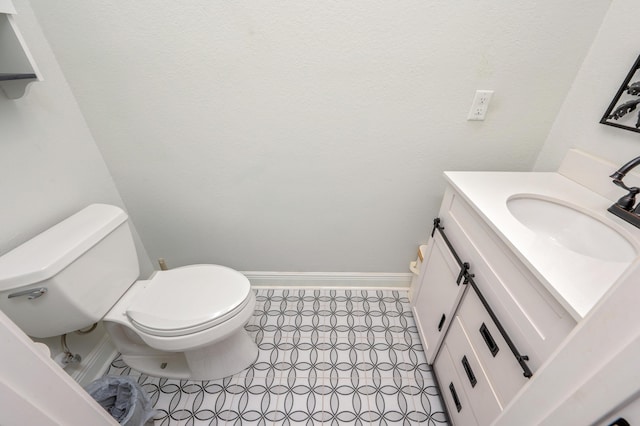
480,105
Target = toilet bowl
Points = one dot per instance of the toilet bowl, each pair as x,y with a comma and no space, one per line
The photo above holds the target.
185,323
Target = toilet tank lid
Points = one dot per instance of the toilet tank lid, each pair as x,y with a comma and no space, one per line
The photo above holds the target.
46,254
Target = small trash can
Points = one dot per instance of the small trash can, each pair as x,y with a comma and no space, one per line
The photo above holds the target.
124,399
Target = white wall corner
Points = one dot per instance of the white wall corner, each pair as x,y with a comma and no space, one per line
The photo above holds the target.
593,172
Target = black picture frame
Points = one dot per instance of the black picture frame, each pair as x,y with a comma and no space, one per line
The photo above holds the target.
627,121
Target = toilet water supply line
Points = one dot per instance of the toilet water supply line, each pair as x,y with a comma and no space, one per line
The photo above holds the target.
66,357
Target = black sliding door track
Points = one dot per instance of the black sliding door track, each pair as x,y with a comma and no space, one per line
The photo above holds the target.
468,279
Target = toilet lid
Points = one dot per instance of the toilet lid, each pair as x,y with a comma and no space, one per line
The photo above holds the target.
188,299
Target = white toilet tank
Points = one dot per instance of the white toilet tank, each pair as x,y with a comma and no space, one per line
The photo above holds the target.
69,276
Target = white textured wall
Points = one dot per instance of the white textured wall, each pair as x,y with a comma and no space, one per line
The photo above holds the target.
612,54
309,135
50,166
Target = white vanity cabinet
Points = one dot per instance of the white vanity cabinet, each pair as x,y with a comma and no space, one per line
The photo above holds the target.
485,320
437,294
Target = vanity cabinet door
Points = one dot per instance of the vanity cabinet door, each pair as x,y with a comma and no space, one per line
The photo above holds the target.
477,386
452,391
492,350
437,296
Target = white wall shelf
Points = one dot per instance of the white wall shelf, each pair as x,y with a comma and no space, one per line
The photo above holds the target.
17,67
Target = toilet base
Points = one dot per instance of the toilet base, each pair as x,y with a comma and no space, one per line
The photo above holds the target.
221,359
213,353
168,365
225,358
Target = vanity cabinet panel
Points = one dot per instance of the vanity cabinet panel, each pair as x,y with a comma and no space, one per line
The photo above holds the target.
486,341
492,350
477,386
452,391
534,320
437,296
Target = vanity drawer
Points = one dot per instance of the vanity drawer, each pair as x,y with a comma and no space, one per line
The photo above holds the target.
452,391
438,295
477,386
497,360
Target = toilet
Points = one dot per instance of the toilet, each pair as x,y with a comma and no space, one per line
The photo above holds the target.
184,323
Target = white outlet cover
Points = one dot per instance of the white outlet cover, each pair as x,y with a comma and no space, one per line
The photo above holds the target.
480,105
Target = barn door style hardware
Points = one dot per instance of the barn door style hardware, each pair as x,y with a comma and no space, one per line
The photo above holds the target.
469,279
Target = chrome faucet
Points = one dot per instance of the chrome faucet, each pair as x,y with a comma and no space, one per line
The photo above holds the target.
624,207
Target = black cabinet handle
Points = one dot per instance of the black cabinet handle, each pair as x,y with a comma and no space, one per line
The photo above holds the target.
441,323
469,371
488,339
454,395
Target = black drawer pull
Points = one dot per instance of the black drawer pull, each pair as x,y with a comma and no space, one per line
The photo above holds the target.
454,395
488,339
441,323
620,422
469,371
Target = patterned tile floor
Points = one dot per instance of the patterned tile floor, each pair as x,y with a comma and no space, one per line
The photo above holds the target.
326,357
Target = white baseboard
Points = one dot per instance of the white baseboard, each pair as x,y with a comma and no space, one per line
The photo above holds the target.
95,363
376,280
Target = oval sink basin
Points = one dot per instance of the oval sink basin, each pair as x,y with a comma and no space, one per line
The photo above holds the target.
571,228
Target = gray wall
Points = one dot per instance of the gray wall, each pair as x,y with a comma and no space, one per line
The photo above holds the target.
610,57
50,166
309,135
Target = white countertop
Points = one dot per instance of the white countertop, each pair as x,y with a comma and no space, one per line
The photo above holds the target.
577,281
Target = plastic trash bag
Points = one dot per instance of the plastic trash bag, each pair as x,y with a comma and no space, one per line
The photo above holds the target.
124,399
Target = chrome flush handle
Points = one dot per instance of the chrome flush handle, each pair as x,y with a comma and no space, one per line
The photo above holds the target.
33,293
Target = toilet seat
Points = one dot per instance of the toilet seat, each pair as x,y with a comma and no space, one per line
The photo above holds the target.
187,300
